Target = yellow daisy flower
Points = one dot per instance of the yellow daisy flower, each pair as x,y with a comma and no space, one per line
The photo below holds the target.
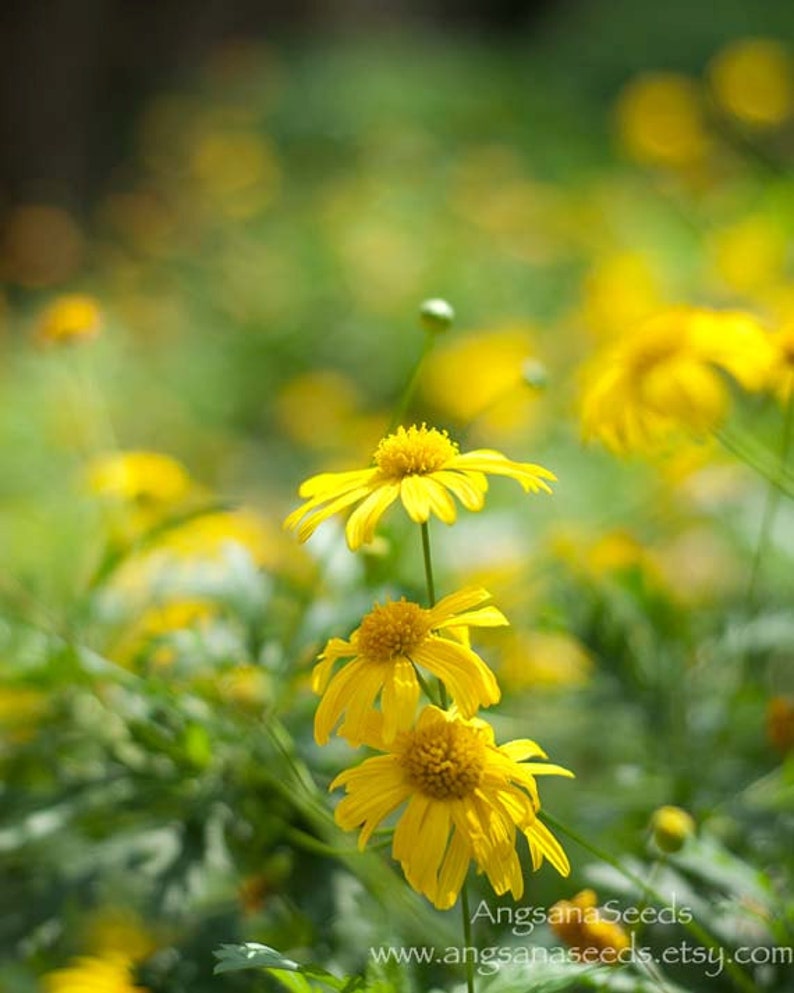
392,640
70,318
422,467
465,797
110,974
666,374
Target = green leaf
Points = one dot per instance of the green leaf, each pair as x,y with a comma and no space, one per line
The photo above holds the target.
292,975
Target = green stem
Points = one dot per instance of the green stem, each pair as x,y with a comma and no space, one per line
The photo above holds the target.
467,939
740,978
408,393
431,597
431,588
771,504
426,689
757,460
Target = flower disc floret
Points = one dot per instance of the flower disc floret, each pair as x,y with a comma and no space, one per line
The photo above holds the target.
423,469
391,630
445,761
414,452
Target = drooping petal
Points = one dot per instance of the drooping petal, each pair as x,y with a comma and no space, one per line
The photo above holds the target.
374,789
330,485
362,692
415,498
336,649
485,617
542,841
469,487
448,607
360,527
307,519
399,699
422,862
470,682
353,689
532,478
522,748
453,870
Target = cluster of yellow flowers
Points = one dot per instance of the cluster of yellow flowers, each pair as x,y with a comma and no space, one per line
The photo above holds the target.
465,796
668,119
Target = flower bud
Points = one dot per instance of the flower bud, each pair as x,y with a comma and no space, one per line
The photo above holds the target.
436,316
535,374
671,826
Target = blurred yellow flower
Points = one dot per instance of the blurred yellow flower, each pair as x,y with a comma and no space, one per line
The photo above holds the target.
237,171
207,535
70,318
753,79
582,925
492,365
539,660
155,624
660,120
148,480
391,642
751,254
465,795
315,407
118,932
420,466
91,974
665,375
619,290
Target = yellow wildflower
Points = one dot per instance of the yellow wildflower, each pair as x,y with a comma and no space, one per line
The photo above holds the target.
492,364
620,290
109,974
465,797
422,467
581,925
118,932
392,640
541,660
145,479
753,79
72,317
666,375
149,637
750,254
660,120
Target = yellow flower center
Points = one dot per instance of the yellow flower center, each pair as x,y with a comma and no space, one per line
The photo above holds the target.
392,630
416,451
445,761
